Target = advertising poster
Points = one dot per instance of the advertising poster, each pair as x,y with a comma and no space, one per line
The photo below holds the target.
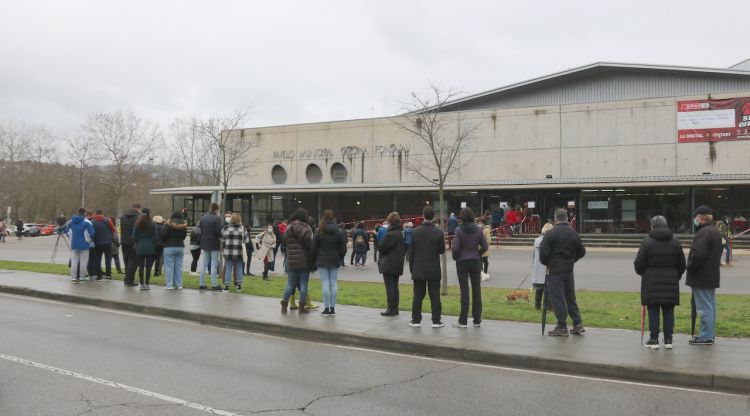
713,120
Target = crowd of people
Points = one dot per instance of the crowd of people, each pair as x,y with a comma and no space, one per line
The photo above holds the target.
224,248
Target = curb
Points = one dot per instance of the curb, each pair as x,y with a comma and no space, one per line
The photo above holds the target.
685,378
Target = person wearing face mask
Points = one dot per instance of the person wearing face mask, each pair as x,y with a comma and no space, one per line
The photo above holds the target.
265,242
703,272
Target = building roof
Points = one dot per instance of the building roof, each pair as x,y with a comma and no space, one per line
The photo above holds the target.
679,79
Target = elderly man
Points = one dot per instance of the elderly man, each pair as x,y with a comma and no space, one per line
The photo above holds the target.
560,249
703,268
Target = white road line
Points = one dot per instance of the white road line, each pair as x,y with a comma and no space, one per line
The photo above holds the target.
164,397
419,357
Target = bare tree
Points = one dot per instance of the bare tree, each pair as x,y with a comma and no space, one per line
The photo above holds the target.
81,150
126,141
14,148
227,149
42,152
193,151
441,137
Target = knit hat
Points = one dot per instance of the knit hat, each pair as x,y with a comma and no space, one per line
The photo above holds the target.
658,222
703,210
158,219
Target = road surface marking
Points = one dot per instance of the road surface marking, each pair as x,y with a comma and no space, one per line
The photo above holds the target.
347,347
170,399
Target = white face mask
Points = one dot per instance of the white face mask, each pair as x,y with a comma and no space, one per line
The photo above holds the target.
269,230
227,218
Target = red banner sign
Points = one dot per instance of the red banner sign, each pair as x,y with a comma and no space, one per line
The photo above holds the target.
713,120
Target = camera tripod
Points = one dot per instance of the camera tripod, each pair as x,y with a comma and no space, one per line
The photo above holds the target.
60,236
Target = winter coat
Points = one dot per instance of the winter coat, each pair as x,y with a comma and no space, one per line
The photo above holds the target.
298,239
173,233
159,242
488,238
210,226
428,243
381,234
234,237
329,247
538,270
127,222
661,263
704,260
408,233
103,230
81,233
195,239
561,248
363,247
452,224
392,250
3,227
468,242
145,240
265,243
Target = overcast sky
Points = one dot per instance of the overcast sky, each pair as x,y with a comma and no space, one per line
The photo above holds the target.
306,61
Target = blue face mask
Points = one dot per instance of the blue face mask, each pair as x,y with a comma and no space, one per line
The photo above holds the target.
696,222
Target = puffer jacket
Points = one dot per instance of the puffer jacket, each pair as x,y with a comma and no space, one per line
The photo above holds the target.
329,247
704,260
298,240
103,230
468,242
173,233
392,251
660,262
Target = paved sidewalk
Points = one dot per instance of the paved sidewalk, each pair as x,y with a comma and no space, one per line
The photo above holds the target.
600,352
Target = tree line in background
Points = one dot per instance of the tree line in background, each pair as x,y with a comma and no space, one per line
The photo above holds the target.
115,159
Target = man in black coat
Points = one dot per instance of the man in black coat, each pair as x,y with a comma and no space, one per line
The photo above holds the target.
703,272
210,229
391,264
560,249
127,223
427,244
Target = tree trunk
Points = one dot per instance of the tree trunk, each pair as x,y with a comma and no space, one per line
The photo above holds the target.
444,256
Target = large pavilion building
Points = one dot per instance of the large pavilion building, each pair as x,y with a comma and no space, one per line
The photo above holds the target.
614,143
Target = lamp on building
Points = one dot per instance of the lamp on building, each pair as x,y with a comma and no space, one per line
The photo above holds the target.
549,176
706,173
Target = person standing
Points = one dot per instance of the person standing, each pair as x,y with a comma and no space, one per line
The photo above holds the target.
81,232
538,270
408,232
391,264
210,232
104,230
146,238
328,250
234,238
703,272
468,246
560,249
19,227
173,236
375,238
265,243
127,223
452,224
660,263
250,249
115,248
159,256
484,226
298,239
195,249
3,229
360,245
428,243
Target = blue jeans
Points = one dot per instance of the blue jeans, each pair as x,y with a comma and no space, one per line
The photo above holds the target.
329,279
231,264
209,257
705,305
173,258
296,278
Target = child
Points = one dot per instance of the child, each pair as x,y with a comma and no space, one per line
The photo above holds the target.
538,270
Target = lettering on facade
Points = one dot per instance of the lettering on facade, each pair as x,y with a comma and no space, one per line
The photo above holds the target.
353,151
322,153
283,155
392,149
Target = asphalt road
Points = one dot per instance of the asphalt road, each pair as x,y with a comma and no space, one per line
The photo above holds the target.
60,359
601,269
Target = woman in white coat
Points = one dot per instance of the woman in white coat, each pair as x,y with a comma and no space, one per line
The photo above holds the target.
538,270
265,242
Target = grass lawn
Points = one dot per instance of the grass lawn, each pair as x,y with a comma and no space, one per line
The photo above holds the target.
599,309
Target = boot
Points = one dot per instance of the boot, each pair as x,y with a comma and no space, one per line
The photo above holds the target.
284,306
302,307
292,303
388,312
308,303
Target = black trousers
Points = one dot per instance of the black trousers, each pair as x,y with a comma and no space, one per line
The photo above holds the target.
131,262
470,270
194,263
485,263
116,257
562,293
351,259
420,288
391,290
538,293
145,263
158,258
653,320
104,251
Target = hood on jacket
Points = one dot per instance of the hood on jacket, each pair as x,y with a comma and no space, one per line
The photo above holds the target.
469,227
395,227
131,213
99,218
330,227
176,224
77,219
661,234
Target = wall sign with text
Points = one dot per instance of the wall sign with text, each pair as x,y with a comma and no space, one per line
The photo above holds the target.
713,120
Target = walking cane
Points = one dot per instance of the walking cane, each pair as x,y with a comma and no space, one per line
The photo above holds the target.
693,315
643,321
545,300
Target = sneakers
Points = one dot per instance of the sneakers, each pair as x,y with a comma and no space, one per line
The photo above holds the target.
226,288
558,332
668,343
701,341
414,324
333,311
148,287
169,288
238,288
108,276
179,287
75,281
653,344
326,312
217,288
143,287
577,329
202,288
459,325
477,324
438,324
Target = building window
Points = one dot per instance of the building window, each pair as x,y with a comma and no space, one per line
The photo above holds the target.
313,173
338,173
278,174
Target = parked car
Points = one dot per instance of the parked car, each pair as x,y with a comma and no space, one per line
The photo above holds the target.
48,229
31,230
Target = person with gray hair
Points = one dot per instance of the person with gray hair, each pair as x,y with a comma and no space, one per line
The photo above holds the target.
703,272
660,262
560,249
